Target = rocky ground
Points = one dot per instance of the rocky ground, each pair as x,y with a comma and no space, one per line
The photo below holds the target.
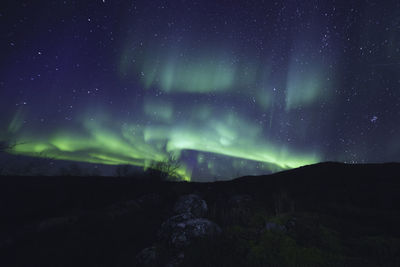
323,215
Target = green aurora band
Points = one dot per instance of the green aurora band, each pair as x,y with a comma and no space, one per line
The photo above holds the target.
228,90
97,141
158,129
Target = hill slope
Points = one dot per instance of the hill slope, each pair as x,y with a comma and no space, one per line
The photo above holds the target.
328,214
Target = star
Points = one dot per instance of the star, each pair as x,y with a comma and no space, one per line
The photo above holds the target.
374,119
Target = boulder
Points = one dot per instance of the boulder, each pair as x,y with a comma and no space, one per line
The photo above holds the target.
169,225
191,204
179,233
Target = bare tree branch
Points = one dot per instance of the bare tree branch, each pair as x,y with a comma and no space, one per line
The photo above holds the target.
167,169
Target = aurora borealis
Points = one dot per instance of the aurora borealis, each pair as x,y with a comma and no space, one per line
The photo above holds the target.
229,87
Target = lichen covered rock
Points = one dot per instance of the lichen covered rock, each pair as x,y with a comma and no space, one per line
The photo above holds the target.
191,203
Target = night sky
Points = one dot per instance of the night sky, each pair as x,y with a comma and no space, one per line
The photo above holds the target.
230,88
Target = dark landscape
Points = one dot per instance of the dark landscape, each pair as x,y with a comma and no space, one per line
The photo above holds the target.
200,133
327,214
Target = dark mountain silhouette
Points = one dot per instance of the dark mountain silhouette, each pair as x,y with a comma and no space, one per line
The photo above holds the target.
328,214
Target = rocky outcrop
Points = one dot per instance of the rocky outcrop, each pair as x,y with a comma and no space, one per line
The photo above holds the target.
190,230
179,231
172,223
191,203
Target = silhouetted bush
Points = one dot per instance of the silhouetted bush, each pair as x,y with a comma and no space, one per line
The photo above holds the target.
166,169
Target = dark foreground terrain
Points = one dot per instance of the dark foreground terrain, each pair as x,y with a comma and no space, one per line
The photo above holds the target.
328,214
